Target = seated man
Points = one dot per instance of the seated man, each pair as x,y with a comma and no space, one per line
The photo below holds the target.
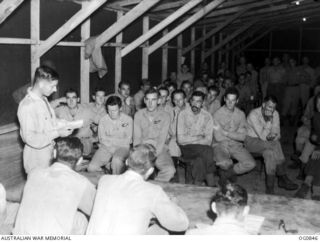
187,87
164,101
126,203
230,130
194,133
75,111
151,126
312,168
213,103
138,97
231,206
115,137
263,138
52,195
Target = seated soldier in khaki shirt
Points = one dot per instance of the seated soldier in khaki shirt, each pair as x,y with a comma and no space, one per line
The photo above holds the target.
75,111
151,126
115,137
53,195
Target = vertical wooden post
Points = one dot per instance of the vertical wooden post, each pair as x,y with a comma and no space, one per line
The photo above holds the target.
220,51
35,35
164,72
118,58
203,44
213,56
84,63
179,52
270,43
145,55
192,54
232,67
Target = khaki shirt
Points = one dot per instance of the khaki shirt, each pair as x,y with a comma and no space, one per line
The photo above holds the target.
83,113
191,126
125,204
38,123
116,133
50,201
213,106
259,128
99,112
152,130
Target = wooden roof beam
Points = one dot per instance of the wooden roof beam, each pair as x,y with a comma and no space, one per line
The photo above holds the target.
228,39
160,26
7,7
213,31
71,24
125,20
184,25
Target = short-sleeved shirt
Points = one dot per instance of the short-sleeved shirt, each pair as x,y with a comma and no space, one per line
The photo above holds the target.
38,123
115,133
50,200
125,204
191,125
259,128
99,112
83,113
231,121
151,130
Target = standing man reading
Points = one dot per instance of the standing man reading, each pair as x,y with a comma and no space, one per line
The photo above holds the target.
38,123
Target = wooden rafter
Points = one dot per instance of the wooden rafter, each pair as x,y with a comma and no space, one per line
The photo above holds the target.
229,38
71,24
187,23
160,26
7,7
123,22
213,31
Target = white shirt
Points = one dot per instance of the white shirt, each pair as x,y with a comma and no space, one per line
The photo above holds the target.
50,200
125,204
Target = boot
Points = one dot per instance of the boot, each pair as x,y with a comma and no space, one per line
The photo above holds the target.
270,184
296,162
286,183
303,191
227,176
210,180
301,175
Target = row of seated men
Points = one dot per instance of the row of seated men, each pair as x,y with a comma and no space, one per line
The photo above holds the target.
57,200
177,127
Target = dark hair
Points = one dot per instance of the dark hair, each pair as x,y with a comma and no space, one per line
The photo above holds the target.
69,149
271,98
123,83
142,157
45,73
112,101
163,89
214,88
99,89
71,90
151,90
198,94
172,84
230,197
145,82
185,82
233,91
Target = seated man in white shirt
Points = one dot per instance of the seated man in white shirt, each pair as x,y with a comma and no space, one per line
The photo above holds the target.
263,138
126,203
230,205
53,195
115,136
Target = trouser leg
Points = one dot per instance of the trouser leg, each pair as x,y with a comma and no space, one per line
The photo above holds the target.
165,166
99,159
118,160
244,158
306,152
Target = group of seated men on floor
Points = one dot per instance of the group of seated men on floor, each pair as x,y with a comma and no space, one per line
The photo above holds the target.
200,126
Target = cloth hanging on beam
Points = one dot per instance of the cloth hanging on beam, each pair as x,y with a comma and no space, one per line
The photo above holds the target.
94,54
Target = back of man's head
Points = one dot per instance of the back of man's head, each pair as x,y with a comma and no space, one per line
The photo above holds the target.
45,73
230,200
68,150
141,159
